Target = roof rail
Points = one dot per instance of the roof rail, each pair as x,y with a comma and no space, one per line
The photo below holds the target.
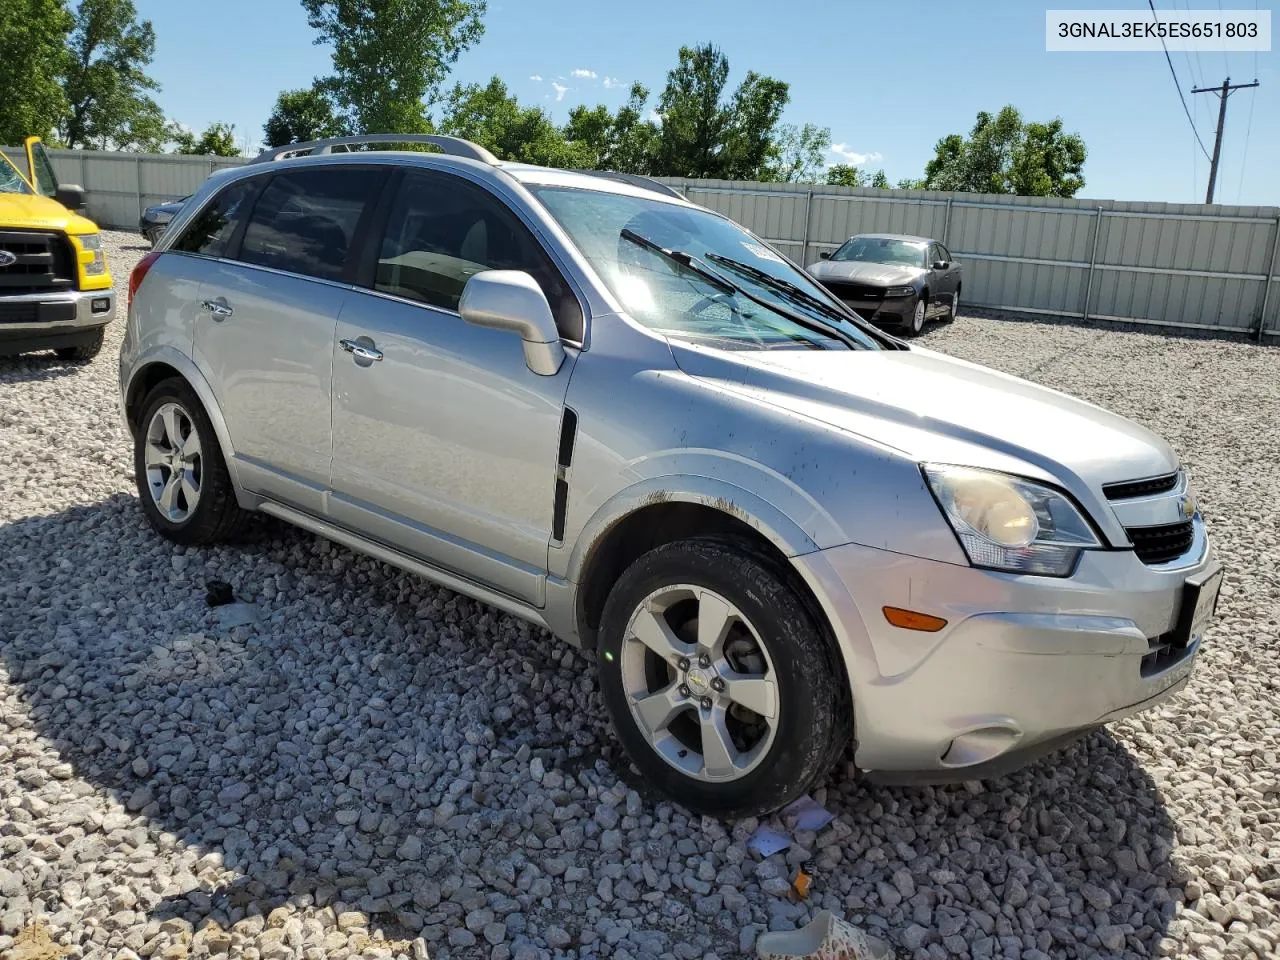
636,180
453,146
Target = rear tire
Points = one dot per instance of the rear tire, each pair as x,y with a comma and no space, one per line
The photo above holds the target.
182,479
726,642
84,351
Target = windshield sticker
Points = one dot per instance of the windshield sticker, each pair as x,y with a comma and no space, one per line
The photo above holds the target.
762,253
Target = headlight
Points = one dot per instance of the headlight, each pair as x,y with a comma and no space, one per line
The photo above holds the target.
907,291
92,243
1007,523
159,216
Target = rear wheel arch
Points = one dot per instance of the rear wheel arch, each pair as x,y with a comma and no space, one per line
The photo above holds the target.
172,364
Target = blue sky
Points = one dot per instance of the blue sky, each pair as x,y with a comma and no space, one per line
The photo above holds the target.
889,79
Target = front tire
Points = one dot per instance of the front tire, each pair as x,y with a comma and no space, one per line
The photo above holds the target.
85,350
724,692
953,310
182,479
915,326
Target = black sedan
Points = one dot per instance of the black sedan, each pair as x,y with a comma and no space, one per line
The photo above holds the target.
156,217
893,279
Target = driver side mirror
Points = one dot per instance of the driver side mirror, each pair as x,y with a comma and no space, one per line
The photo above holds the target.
941,264
512,300
825,255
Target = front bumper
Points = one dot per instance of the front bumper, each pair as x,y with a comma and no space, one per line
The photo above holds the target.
1024,664
889,310
33,321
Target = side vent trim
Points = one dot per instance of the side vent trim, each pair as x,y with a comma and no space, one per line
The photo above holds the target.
568,436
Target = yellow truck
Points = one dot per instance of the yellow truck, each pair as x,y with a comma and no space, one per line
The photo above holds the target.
55,288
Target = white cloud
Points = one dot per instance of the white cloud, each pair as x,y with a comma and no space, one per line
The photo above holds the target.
536,78
560,90
583,74
611,82
654,117
852,156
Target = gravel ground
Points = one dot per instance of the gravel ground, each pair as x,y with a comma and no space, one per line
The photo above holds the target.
380,767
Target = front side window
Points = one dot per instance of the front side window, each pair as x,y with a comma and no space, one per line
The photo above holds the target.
443,231
211,229
761,302
305,220
904,253
10,180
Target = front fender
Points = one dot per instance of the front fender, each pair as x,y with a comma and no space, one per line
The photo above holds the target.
728,498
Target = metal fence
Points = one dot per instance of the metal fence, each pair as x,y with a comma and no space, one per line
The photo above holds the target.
1189,266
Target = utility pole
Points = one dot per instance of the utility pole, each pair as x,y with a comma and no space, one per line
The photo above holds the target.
1223,92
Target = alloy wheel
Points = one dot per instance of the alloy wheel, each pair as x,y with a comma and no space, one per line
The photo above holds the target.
173,461
700,683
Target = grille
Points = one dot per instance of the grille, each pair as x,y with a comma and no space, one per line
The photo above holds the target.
25,311
854,291
1132,489
44,262
1163,543
1163,652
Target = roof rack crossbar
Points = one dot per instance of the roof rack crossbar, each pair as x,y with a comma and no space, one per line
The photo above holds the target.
453,146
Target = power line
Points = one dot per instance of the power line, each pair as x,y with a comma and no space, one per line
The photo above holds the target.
1178,86
1244,157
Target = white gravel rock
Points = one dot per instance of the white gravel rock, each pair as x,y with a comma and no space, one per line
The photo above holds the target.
378,767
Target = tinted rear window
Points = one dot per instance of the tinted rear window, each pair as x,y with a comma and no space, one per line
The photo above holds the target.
305,221
212,228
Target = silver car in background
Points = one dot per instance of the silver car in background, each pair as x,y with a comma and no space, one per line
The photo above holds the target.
627,419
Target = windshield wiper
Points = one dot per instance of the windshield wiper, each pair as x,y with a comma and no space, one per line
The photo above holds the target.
695,266
799,294
792,290
682,259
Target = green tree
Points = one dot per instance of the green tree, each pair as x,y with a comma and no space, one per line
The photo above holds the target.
909,183
303,115
32,57
799,153
702,134
492,117
390,56
623,141
847,175
106,83
218,139
1002,154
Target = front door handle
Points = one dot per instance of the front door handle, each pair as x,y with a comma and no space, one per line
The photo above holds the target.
218,307
361,351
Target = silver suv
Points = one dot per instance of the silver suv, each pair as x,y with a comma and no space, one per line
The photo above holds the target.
625,418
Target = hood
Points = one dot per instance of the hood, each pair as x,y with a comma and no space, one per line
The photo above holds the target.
32,211
933,408
879,274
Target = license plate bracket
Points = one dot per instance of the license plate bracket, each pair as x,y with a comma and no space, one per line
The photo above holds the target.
1199,603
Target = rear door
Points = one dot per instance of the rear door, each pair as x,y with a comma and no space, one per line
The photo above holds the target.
445,446
264,334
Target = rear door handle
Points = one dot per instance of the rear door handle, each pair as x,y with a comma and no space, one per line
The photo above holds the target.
361,351
218,307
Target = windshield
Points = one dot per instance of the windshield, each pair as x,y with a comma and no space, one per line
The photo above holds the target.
906,253
10,180
762,303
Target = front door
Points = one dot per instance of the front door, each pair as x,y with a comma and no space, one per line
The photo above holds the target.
444,446
265,327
